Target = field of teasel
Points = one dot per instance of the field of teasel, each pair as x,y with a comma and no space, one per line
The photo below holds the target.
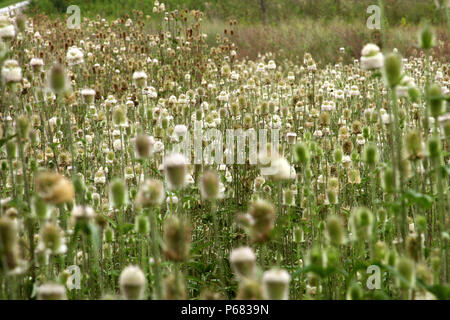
99,202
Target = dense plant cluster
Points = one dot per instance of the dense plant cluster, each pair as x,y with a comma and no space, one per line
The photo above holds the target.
92,178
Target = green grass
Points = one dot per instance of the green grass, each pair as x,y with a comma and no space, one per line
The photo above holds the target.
5,3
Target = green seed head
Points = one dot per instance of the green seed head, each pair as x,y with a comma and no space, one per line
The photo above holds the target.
427,38
392,69
118,193
434,148
355,292
388,181
210,185
335,230
436,102
370,154
11,149
142,225
405,267
338,155
302,153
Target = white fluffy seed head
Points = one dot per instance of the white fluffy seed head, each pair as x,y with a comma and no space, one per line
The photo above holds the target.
242,254
132,283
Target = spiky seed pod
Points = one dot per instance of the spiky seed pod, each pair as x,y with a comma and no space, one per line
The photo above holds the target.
332,196
51,291
142,225
109,235
243,262
144,146
174,288
347,146
177,239
276,284
355,292
54,188
338,155
288,197
436,102
413,144
301,153
175,170
392,69
388,181
392,258
209,185
52,238
335,230
119,116
412,247
421,223
58,81
317,258
405,267
249,290
434,148
151,193
23,126
361,223
132,283
118,193
9,250
11,149
263,214
427,39
414,94
370,154
380,251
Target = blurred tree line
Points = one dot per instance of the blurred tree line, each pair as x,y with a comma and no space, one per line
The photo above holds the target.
264,11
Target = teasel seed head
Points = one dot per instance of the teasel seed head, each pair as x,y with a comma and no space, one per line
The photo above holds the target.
361,223
427,39
142,225
388,181
405,267
144,146
263,214
209,185
243,262
335,230
175,170
413,144
338,155
151,193
249,289
370,154
436,101
54,188
332,196
52,238
174,288
51,291
119,116
301,153
118,193
434,148
392,69
276,284
355,292
177,239
132,283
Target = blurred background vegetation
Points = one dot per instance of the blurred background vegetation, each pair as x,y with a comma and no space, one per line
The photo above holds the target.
288,28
